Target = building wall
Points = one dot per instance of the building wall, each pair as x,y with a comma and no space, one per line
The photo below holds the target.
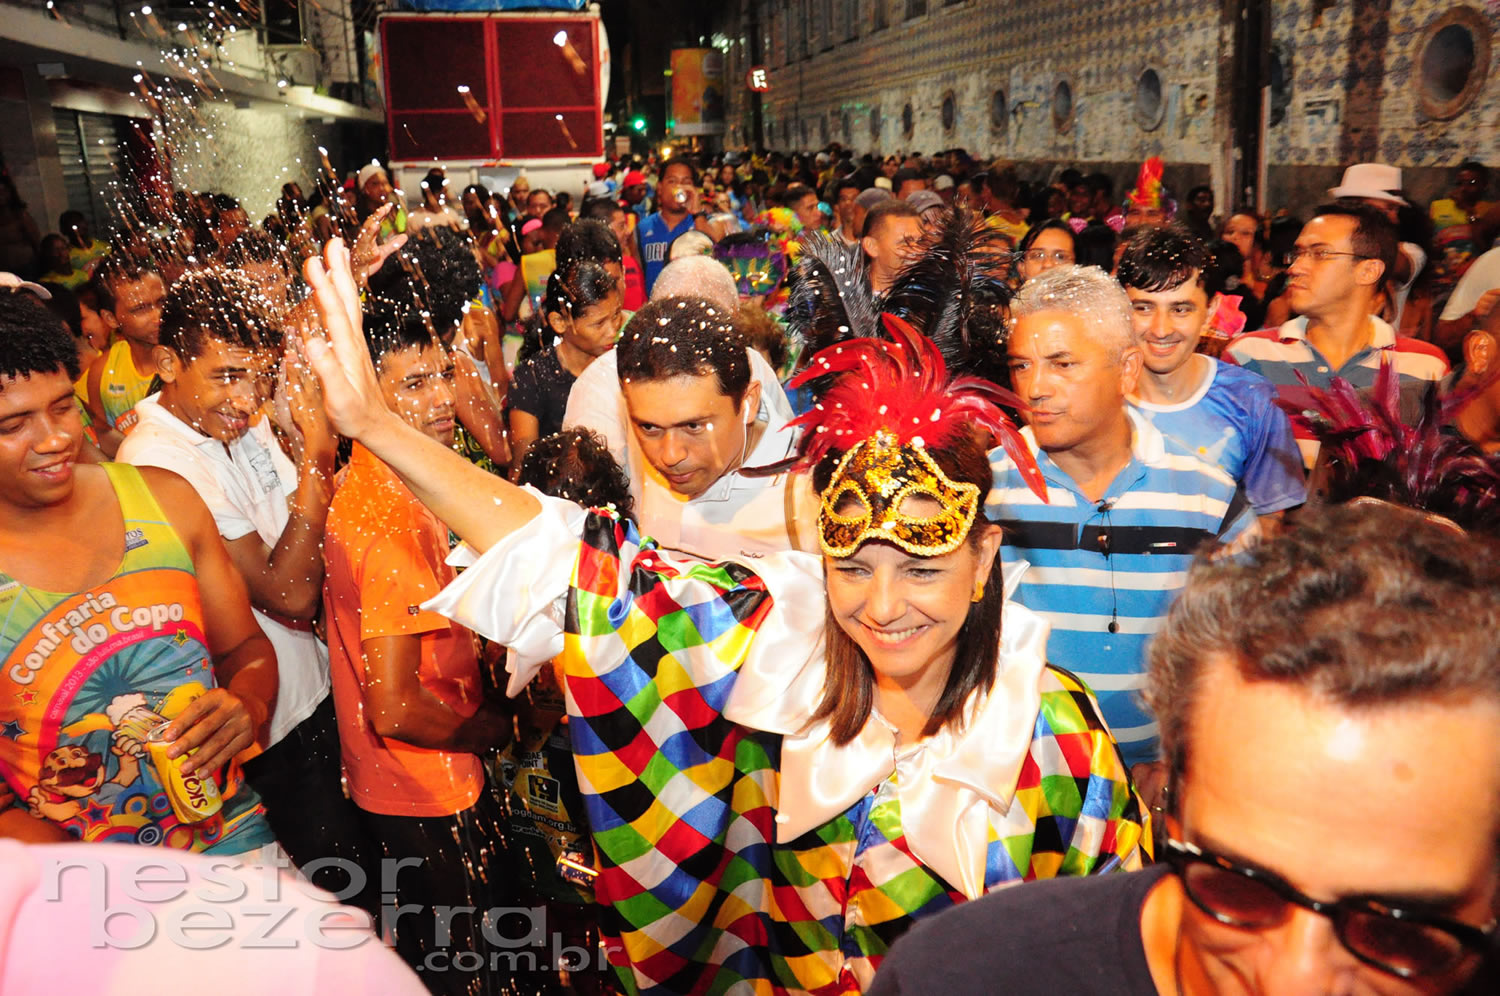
1352,68
1021,49
1354,98
248,152
244,134
28,143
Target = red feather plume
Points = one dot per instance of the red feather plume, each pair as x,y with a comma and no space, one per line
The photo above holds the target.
902,386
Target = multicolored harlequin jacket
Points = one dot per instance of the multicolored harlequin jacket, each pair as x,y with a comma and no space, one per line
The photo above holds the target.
740,850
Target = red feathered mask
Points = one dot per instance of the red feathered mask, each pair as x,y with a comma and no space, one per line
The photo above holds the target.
890,402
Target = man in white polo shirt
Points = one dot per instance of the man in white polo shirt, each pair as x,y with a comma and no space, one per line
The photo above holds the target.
217,357
701,406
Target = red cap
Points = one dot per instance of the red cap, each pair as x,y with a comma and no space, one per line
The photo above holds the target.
601,170
632,178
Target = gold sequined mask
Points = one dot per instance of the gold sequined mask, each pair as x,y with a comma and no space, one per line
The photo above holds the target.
885,476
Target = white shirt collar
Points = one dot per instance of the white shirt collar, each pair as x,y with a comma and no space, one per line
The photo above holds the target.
1181,406
1147,444
152,412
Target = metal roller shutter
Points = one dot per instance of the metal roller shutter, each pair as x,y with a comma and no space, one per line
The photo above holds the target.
91,147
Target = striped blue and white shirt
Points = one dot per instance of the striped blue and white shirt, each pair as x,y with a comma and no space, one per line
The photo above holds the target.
1280,354
1104,573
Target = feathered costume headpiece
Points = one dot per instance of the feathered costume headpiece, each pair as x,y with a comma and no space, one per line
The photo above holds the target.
831,301
888,402
1147,191
1370,452
758,266
953,292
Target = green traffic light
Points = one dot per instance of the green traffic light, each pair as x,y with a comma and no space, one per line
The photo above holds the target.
640,124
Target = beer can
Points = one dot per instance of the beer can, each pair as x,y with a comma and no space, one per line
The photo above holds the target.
194,797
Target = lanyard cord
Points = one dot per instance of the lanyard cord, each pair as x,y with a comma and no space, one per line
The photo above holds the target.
1105,541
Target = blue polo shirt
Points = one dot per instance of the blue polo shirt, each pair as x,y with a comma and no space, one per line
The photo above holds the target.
656,238
1232,422
1105,573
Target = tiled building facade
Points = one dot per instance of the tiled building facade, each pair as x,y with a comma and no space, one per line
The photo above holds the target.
1103,85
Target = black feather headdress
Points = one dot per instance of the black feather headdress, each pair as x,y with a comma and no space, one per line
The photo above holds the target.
831,300
954,292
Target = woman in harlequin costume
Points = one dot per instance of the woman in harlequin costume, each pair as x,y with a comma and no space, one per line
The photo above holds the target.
781,773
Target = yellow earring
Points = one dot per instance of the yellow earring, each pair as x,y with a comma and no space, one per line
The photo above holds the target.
978,591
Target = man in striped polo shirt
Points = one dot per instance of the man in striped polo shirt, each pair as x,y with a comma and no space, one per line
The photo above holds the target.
1126,508
1339,265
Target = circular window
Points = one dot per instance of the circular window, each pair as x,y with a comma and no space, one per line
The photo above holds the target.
908,121
1062,105
1150,107
950,110
1454,59
999,111
875,124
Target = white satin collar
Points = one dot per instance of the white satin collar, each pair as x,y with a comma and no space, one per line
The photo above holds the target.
947,784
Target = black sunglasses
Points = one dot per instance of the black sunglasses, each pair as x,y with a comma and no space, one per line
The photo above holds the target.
1404,943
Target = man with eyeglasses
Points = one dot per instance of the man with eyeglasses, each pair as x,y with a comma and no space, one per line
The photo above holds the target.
1220,412
1330,710
1339,265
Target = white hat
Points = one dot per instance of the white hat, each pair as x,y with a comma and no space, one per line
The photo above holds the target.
943,182
1376,181
12,282
598,189
368,170
883,182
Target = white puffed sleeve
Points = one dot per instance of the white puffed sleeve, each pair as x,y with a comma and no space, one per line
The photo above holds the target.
516,593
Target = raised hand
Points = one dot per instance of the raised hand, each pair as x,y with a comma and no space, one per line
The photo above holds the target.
480,507
351,390
369,252
304,399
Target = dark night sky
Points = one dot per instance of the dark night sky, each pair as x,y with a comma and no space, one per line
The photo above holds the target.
650,29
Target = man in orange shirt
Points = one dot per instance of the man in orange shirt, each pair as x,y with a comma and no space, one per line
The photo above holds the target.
406,684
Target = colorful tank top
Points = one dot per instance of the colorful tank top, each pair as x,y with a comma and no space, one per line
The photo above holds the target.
81,401
122,386
536,267
88,675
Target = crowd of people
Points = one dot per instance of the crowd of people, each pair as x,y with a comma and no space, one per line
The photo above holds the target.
721,577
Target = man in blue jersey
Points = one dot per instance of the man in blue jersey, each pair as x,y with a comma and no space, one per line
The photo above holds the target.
1126,509
1221,413
677,211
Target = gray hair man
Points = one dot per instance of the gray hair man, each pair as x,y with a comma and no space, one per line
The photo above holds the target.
1127,509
